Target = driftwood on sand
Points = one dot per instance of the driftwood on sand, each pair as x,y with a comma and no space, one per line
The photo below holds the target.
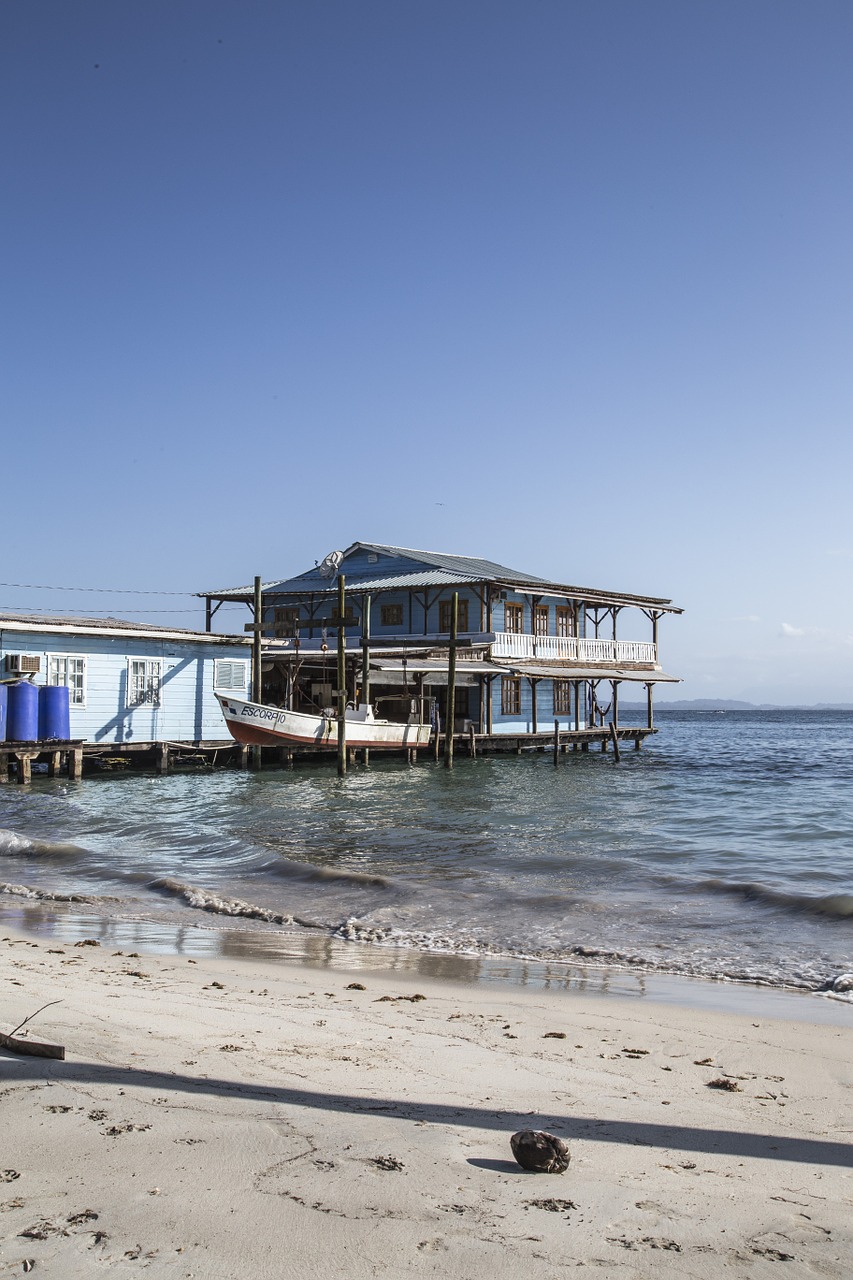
17,1040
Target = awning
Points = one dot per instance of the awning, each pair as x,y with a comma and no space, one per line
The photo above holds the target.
538,670
422,665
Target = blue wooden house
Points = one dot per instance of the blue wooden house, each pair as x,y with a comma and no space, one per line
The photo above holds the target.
532,651
130,685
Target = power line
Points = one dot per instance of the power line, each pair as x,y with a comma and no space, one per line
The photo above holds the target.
23,608
108,590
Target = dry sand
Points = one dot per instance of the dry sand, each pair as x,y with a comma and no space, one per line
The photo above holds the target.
245,1119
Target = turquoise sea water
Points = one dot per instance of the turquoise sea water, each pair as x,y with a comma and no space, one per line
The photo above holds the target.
723,849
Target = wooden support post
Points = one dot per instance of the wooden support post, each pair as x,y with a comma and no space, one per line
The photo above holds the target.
4,766
472,742
615,701
75,764
25,767
638,741
650,706
288,757
614,734
244,758
451,683
54,764
257,674
534,718
365,649
556,741
584,746
342,678
208,616
163,758
577,684
604,744
350,755
365,662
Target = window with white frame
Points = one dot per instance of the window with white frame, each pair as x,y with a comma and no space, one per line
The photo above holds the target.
69,670
229,673
143,682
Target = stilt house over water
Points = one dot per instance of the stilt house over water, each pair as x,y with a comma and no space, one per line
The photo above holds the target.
531,652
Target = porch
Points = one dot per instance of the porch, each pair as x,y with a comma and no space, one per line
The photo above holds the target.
508,644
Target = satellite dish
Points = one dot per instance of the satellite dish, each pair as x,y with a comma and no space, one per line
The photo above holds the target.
330,565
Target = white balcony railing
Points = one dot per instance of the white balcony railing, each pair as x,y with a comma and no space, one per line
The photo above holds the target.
508,644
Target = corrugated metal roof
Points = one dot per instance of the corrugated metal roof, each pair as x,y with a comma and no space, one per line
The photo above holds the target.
445,570
114,626
392,582
471,566
417,665
648,675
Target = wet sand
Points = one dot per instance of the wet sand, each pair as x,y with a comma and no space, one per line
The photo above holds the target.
224,1117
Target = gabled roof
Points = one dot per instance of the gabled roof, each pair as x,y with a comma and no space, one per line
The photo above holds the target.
440,569
471,566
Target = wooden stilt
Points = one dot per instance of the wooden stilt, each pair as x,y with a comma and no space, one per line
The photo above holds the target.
4,766
163,758
257,675
25,767
614,736
556,741
472,742
54,764
244,758
451,683
75,764
342,678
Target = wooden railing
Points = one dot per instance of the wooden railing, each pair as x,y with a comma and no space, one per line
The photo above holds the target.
508,644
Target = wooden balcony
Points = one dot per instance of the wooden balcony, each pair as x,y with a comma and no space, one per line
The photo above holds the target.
508,644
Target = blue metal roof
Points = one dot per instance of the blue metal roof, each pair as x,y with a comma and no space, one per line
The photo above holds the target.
439,570
478,569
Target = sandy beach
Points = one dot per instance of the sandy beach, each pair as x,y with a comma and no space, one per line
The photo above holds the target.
223,1118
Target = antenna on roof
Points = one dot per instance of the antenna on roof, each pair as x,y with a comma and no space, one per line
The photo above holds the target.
331,563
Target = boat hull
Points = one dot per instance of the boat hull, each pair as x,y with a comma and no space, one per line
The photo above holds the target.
253,724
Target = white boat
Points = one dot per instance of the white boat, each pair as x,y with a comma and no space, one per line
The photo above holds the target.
256,725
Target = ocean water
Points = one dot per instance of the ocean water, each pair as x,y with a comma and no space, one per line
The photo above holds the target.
724,849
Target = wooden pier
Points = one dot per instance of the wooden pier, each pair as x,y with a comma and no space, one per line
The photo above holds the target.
71,758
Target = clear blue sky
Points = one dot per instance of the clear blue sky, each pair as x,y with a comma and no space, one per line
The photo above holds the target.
564,284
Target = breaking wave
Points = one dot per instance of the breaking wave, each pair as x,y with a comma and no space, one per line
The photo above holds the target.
206,900
836,905
46,895
310,872
12,844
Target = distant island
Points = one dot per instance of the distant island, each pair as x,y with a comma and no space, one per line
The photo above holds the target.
731,704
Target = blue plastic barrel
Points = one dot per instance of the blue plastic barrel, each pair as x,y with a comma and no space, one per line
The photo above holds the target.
54,719
4,703
22,723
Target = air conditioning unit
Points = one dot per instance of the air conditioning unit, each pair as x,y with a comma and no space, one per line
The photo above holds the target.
23,663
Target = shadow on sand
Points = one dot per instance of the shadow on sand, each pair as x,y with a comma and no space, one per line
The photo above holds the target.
730,1142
